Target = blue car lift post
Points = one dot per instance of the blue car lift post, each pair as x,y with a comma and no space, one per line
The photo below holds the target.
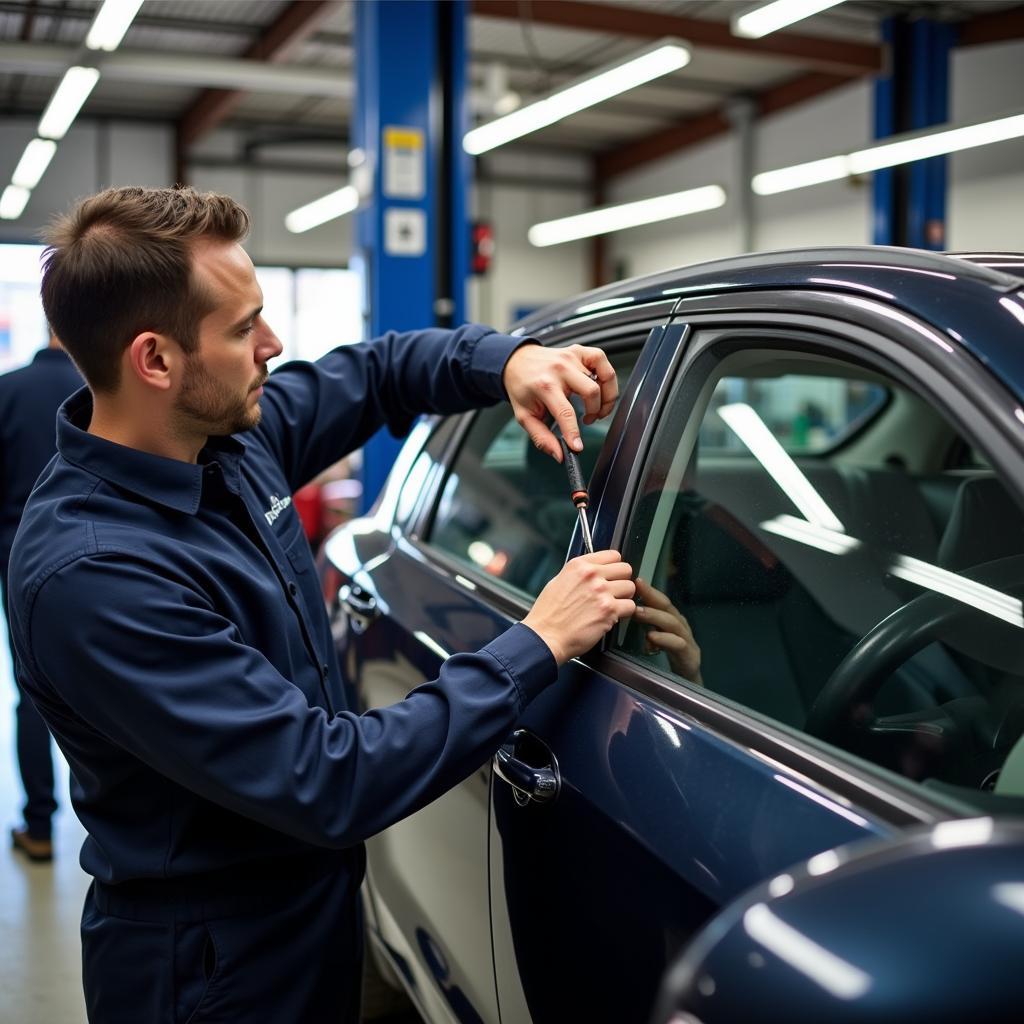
412,233
910,200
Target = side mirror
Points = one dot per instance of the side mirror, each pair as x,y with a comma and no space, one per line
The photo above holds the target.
927,928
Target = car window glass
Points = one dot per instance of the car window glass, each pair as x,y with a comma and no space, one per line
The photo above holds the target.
862,592
807,415
504,509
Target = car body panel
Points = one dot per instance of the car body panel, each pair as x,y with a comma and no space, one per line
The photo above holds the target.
953,895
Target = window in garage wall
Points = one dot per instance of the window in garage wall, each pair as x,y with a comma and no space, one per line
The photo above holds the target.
311,310
22,324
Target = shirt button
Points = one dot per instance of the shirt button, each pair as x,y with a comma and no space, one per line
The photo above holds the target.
292,589
325,669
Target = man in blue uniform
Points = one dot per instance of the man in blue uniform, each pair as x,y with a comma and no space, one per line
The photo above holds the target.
29,399
166,608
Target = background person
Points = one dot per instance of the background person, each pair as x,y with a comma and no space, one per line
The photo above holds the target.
29,399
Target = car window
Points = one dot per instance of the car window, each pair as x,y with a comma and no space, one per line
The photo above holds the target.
504,509
864,593
807,415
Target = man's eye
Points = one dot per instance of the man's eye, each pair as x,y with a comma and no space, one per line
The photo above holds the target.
247,330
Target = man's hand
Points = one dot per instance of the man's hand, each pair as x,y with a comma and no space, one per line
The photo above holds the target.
540,380
582,603
669,632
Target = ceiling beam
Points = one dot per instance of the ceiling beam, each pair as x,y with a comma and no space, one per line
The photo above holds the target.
692,130
299,20
996,27
838,56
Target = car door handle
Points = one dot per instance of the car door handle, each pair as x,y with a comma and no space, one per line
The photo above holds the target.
360,606
529,783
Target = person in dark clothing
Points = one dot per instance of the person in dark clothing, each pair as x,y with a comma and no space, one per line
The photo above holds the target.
166,608
29,399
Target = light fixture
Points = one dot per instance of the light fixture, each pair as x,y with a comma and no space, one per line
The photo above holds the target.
13,201
899,150
768,18
747,425
627,215
66,102
33,163
653,62
334,204
111,23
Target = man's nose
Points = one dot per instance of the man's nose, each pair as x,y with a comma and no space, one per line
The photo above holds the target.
269,346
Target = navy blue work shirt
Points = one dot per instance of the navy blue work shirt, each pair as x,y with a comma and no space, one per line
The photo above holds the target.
176,642
29,399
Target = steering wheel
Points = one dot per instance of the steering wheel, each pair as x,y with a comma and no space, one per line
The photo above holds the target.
842,713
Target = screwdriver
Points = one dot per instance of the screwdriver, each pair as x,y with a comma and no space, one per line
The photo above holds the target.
578,492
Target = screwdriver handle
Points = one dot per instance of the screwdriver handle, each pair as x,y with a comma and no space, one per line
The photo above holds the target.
577,488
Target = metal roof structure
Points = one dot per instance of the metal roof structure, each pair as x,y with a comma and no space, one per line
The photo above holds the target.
284,69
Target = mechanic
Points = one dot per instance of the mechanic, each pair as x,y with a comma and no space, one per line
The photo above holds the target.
29,399
166,608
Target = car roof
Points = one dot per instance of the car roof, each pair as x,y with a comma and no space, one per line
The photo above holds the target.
862,268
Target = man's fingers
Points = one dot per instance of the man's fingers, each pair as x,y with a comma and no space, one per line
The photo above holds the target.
622,589
540,436
565,417
665,621
598,366
589,390
651,596
601,557
624,609
667,641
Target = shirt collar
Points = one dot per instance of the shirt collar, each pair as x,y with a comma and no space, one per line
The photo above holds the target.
52,355
170,482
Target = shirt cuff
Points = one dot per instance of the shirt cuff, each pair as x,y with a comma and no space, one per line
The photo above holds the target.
527,659
487,363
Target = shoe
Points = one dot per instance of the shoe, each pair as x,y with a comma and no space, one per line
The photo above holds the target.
38,850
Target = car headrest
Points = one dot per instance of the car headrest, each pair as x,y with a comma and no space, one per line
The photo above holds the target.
986,524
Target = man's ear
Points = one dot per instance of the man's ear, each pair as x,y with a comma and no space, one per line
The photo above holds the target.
153,360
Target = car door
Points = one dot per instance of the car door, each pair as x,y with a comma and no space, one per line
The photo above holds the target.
483,520
677,792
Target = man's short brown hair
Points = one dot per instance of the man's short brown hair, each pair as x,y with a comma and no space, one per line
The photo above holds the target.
120,263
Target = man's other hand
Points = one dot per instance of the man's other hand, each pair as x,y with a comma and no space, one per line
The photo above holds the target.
582,603
540,380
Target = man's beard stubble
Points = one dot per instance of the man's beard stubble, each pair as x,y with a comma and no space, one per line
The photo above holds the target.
214,407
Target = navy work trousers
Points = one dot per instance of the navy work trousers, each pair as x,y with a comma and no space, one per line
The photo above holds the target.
291,960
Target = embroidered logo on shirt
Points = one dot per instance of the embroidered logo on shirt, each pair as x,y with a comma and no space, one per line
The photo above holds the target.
277,506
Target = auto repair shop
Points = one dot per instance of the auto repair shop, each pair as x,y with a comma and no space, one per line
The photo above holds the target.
361,691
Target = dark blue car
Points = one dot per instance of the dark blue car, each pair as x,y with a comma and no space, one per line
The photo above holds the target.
793,790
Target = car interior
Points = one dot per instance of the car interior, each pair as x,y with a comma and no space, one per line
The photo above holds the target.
786,555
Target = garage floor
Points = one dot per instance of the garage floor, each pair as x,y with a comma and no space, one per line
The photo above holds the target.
40,904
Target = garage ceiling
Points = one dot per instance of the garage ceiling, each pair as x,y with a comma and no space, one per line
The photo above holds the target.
298,66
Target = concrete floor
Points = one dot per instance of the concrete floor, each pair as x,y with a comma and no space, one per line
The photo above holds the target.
40,904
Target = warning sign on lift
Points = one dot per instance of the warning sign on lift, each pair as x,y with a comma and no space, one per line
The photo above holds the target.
405,163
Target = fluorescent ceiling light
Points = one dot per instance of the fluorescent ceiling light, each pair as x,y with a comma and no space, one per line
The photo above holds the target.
13,201
66,102
771,17
745,423
662,59
627,215
834,974
901,150
33,163
111,23
328,207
